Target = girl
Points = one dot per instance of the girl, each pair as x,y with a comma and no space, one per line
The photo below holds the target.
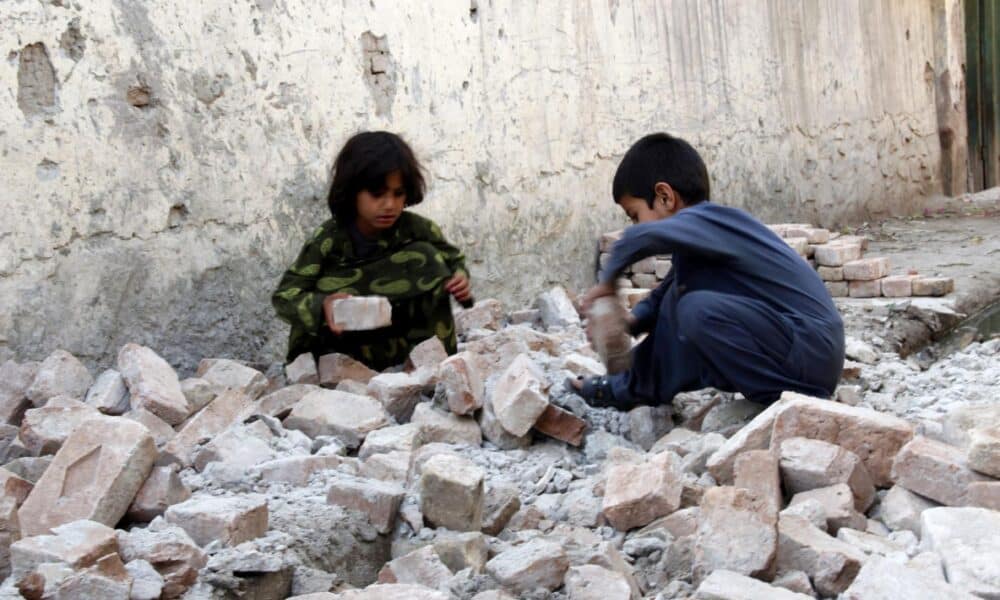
372,246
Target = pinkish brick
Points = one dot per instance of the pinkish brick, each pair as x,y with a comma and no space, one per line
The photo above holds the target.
866,269
897,286
362,313
837,289
865,289
836,253
933,286
830,273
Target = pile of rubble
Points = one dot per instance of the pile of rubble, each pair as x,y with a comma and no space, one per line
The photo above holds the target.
478,476
837,258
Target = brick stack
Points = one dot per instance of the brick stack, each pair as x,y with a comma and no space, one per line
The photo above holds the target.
837,258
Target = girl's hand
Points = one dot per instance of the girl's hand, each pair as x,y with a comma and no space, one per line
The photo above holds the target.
328,311
458,286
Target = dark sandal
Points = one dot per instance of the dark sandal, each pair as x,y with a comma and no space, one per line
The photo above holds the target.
595,391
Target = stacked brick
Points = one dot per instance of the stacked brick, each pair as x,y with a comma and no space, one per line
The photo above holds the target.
839,260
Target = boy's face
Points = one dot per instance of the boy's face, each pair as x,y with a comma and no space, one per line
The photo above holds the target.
378,210
666,203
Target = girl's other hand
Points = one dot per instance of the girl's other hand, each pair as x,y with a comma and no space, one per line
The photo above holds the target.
458,286
328,311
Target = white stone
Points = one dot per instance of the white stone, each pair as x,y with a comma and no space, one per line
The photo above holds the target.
452,493
883,579
728,585
360,313
557,309
227,374
349,417
153,383
109,394
535,564
968,540
230,521
518,398
60,374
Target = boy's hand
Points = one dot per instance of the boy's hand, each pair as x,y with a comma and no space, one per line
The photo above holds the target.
598,291
458,286
328,311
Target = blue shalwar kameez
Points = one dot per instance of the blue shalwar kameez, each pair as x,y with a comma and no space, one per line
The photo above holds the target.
739,311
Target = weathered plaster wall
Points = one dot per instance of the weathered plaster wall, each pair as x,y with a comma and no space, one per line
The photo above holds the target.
162,161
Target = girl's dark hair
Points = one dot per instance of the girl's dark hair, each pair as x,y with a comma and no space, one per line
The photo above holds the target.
363,164
661,157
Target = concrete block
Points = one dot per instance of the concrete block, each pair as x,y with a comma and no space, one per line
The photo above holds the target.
109,394
534,564
646,281
830,563
335,368
462,382
557,309
421,567
838,506
835,254
729,585
609,334
378,500
830,273
799,244
837,289
152,383
864,289
737,531
362,313
44,430
230,521
452,493
399,393
984,451
60,374
297,470
935,470
225,374
302,370
485,314
395,438
78,544
459,551
591,582
169,550
933,286
494,432
227,408
518,398
349,417
447,428
758,471
636,494
162,489
94,476
809,464
561,424
967,541
873,436
866,269
897,286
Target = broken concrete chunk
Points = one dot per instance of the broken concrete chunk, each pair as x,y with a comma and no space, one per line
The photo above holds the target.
106,579
393,467
756,435
79,544
636,494
758,472
557,309
591,582
152,383
579,364
967,540
984,451
147,584
280,402
334,368
158,428
535,564
561,424
459,551
302,370
884,579
395,438
109,394
809,464
648,424
838,505
227,408
60,374
495,433
447,428
866,269
44,430
502,503
230,521
485,314
348,417
243,445
935,470
830,563
297,470
874,437
169,549
451,493
198,392
736,531
462,383
427,354
225,374
729,585
362,313
95,476
900,509
421,567
390,591
378,500
518,398
162,489
399,393
984,494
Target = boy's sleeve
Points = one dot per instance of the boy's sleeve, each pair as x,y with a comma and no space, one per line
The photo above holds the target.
453,257
646,311
297,301
681,233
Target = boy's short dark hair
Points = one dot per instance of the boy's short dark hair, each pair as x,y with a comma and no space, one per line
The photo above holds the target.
364,163
661,157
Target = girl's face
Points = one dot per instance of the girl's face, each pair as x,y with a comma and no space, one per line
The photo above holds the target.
378,210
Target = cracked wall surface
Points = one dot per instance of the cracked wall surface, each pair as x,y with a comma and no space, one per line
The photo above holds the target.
163,161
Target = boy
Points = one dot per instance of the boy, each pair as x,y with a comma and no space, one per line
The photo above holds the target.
739,311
